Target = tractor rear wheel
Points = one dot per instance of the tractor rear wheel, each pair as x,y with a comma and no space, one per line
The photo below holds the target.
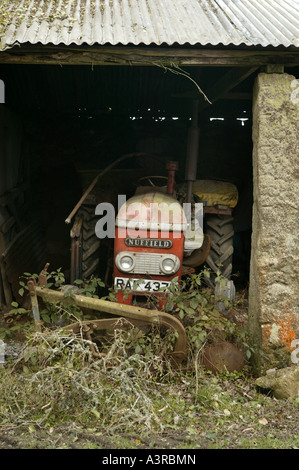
90,243
221,232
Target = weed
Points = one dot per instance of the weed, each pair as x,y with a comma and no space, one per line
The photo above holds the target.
130,387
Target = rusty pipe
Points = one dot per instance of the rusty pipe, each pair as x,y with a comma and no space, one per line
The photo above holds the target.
192,152
171,167
102,173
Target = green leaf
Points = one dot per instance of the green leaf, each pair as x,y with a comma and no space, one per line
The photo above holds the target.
15,304
33,360
170,305
26,370
189,310
96,413
211,435
194,303
46,318
191,431
21,310
54,318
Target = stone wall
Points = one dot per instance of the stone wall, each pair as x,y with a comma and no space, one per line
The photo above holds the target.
274,278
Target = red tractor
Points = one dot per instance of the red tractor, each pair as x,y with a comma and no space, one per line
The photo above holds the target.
149,241
158,234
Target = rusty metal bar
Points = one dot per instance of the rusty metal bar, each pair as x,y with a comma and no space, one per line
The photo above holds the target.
102,173
90,326
130,312
34,304
76,238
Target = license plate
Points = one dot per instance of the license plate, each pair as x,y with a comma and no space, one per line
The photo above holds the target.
141,285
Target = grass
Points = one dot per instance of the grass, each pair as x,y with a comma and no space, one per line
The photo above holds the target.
57,396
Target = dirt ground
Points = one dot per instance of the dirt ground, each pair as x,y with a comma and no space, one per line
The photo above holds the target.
250,421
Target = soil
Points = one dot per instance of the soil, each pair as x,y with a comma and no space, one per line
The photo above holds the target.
266,423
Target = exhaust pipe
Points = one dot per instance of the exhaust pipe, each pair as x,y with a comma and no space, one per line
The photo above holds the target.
192,152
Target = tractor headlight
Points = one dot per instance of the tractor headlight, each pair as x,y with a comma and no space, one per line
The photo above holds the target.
170,264
125,262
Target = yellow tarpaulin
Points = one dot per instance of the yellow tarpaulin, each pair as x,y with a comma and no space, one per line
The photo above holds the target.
216,192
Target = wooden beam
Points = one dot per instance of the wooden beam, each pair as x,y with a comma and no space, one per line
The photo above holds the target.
241,96
273,68
161,56
226,83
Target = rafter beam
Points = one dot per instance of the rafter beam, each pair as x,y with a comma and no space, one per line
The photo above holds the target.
226,83
163,56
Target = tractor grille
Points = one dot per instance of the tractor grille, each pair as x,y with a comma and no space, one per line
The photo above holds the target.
147,263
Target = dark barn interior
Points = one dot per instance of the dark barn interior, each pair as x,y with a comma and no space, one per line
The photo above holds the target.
61,124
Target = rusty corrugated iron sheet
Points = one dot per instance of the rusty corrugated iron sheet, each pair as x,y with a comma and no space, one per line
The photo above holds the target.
103,22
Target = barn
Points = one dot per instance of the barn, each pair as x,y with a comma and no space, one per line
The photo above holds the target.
83,83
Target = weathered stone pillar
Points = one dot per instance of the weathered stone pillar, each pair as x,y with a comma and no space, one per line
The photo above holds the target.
274,277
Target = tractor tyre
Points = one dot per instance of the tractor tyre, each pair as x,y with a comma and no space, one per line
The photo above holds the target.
221,231
90,243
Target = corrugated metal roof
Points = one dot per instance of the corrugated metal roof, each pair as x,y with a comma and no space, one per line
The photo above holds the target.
135,22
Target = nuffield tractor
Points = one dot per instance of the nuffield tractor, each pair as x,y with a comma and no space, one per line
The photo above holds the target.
158,235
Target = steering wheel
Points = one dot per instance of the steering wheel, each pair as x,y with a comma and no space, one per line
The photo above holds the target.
148,179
